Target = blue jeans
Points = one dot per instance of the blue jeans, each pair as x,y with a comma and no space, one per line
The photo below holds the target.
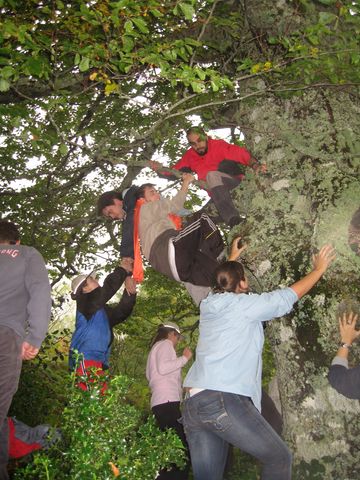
212,420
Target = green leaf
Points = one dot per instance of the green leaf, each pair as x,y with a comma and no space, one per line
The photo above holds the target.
128,43
200,73
193,42
129,27
214,85
7,72
8,29
77,59
197,87
187,10
111,88
169,55
35,66
4,85
326,18
182,53
273,40
84,64
141,25
63,149
156,12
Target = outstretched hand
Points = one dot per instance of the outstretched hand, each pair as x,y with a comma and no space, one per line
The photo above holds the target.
237,247
127,264
154,165
324,258
347,325
130,285
187,178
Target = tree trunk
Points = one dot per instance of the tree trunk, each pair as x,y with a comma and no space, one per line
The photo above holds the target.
311,147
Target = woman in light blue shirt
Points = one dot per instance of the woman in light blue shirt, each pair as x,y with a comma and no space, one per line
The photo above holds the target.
225,380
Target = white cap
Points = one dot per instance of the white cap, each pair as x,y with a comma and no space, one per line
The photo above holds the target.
76,283
172,325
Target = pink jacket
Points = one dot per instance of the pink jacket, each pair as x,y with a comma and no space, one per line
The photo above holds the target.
163,371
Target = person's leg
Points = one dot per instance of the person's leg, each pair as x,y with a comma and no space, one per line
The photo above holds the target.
208,454
196,250
250,432
208,451
220,184
236,421
167,416
271,413
196,292
4,449
10,368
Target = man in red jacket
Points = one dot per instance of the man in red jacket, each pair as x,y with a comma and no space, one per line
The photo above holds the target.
220,164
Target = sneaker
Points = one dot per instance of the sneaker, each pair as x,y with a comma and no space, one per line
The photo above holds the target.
236,220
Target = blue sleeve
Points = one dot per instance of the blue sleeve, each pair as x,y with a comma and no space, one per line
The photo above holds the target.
271,305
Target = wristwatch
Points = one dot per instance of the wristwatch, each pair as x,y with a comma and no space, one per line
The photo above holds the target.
345,345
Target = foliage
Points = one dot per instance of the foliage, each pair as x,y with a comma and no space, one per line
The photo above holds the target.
105,437
89,91
160,300
43,388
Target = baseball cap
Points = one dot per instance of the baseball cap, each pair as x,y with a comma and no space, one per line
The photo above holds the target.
80,279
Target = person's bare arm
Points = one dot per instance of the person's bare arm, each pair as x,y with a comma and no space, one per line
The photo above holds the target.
321,262
237,247
187,179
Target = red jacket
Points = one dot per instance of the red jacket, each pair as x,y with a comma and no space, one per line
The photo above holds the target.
218,150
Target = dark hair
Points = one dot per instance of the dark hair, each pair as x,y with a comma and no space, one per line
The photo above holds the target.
228,275
107,199
9,232
141,191
161,334
197,130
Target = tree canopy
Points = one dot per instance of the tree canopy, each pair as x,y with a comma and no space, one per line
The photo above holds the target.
91,90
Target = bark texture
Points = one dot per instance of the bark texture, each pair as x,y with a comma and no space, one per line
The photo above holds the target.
311,147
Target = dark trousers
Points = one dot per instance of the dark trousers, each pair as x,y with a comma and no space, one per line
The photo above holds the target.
10,369
197,247
167,416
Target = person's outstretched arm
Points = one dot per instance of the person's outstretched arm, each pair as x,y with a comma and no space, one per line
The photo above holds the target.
237,247
321,262
187,178
122,310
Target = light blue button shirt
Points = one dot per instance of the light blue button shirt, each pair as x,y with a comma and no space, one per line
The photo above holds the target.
229,350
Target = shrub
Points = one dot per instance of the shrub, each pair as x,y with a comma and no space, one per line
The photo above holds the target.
105,437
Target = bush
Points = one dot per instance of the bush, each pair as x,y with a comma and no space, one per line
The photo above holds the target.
44,381
105,437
